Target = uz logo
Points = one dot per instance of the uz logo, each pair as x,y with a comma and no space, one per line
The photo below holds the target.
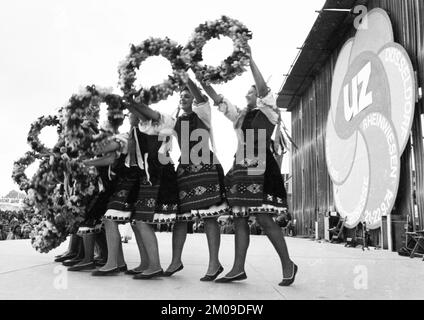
358,98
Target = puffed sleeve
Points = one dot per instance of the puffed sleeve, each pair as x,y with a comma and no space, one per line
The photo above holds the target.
203,111
229,110
268,106
165,125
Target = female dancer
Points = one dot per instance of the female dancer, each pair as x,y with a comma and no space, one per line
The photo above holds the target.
200,178
121,203
157,201
255,185
91,229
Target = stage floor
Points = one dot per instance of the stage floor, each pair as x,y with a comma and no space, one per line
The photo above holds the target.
326,271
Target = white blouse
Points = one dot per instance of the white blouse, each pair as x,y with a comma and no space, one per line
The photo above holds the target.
267,105
163,127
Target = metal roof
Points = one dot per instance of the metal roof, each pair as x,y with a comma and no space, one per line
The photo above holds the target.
333,22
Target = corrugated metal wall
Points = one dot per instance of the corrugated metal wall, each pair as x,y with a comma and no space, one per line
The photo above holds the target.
312,188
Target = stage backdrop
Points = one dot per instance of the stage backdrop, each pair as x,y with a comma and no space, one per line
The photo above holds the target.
307,92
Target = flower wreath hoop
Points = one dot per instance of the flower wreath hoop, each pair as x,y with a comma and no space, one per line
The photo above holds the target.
80,117
34,132
166,48
19,168
59,193
231,66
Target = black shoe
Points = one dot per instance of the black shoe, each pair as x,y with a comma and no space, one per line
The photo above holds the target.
88,266
64,257
214,276
124,268
100,263
170,273
241,276
288,281
100,273
132,272
142,276
71,263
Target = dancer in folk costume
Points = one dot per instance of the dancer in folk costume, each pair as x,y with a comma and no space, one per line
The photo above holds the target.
121,203
91,230
200,178
157,200
254,183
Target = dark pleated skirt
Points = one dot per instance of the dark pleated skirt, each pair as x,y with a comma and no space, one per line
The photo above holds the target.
157,201
256,190
200,186
97,208
122,202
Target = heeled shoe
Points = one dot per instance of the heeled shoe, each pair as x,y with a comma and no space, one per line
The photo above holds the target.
142,276
71,262
88,266
288,281
170,273
132,272
239,277
64,257
123,268
100,273
100,263
214,276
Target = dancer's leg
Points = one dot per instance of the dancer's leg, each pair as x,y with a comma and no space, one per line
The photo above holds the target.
80,248
242,238
213,234
275,235
144,259
114,247
100,239
121,260
88,240
179,235
150,242
72,247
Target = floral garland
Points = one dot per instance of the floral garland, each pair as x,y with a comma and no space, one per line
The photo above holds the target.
34,132
19,167
61,204
230,67
62,186
153,47
80,117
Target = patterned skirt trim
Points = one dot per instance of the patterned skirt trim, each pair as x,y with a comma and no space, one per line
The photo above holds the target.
200,186
118,216
84,230
212,212
244,212
158,218
181,217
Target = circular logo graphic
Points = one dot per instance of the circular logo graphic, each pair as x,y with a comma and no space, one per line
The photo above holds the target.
369,123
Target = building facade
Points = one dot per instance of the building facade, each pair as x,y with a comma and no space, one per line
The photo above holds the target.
307,93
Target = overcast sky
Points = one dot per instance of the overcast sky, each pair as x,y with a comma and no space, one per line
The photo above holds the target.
50,48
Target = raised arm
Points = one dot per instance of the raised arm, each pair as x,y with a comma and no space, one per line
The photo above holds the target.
210,91
144,110
195,91
225,106
261,85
